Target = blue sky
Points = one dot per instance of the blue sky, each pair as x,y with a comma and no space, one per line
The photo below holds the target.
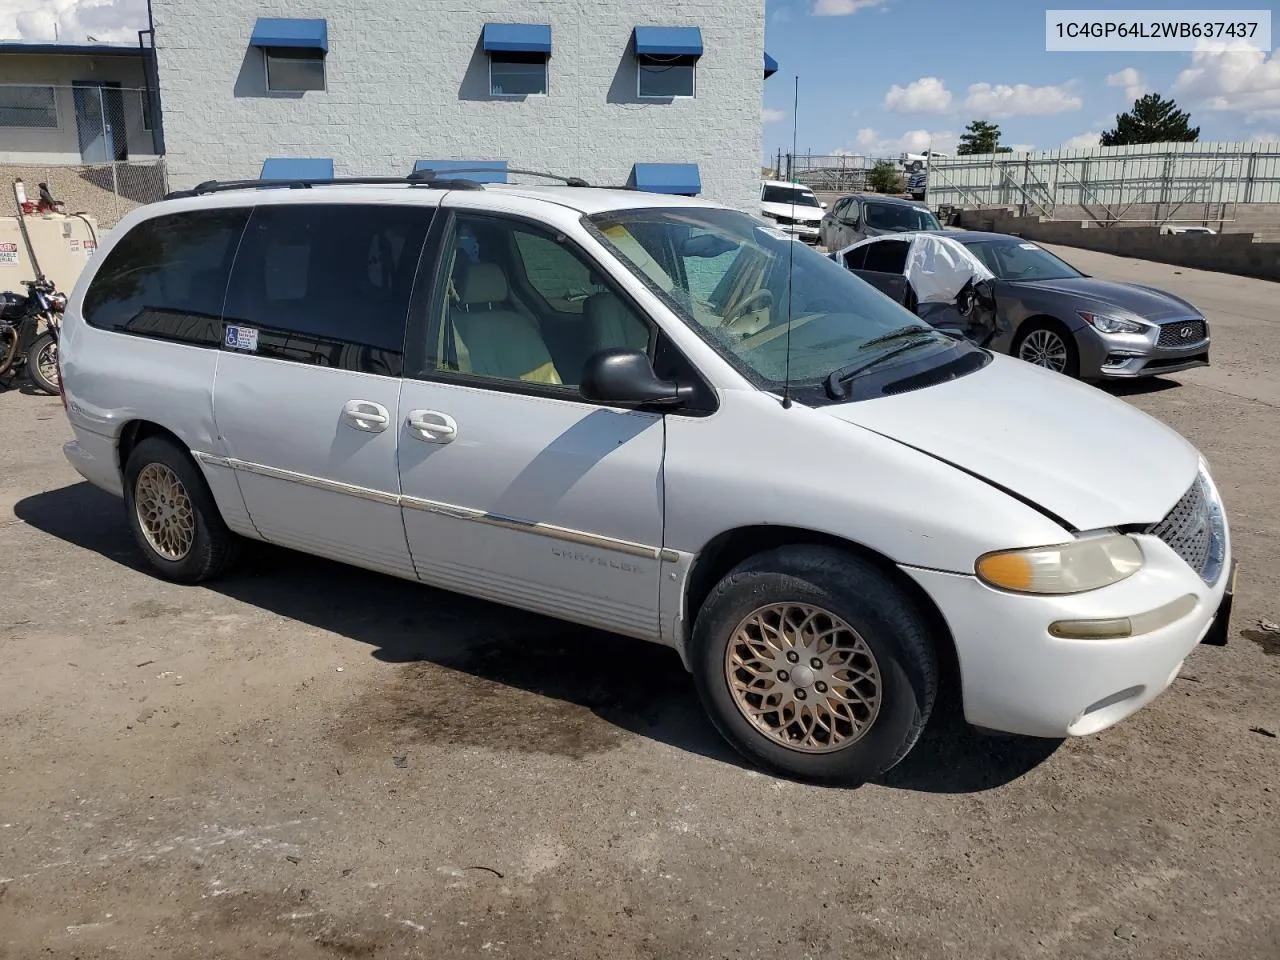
879,77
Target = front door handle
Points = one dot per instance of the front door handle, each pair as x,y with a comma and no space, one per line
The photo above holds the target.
366,415
433,427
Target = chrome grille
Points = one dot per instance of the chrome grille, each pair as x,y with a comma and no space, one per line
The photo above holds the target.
1181,333
1189,529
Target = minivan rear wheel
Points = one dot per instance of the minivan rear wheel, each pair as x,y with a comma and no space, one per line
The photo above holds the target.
172,514
814,664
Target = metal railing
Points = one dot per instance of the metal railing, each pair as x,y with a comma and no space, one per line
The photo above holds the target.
1151,184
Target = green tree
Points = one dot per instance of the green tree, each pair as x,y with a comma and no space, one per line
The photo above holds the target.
884,178
1153,119
981,136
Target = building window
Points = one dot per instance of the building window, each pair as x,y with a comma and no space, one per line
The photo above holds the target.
294,70
518,55
517,74
666,77
28,107
666,60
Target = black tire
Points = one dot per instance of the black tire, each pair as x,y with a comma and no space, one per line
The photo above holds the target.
868,601
45,342
1071,368
213,547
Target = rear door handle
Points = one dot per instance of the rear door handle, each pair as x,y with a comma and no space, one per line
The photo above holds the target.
366,415
431,426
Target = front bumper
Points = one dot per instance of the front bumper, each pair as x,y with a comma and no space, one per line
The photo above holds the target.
1018,678
1125,357
808,232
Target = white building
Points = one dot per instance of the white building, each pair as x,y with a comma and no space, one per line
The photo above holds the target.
662,94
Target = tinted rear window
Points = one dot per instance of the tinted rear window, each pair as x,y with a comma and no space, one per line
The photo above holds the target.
329,283
887,256
167,277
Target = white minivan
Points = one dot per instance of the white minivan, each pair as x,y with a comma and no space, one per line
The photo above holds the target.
657,417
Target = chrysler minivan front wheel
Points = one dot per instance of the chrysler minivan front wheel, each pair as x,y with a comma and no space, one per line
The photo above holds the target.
812,663
173,515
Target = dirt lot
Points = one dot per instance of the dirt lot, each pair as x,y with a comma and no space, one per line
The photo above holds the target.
310,761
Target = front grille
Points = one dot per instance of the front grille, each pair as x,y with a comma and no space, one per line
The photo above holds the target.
1191,531
1181,333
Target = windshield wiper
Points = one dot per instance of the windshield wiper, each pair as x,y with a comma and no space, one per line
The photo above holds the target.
896,335
838,378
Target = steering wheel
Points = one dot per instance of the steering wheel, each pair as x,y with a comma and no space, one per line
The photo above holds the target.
760,299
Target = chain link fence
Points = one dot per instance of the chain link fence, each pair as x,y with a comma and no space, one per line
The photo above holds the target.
836,173
94,143
107,191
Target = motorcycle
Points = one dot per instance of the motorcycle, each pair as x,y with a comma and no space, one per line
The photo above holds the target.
29,327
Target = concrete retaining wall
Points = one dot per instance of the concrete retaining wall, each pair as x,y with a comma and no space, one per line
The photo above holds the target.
1235,253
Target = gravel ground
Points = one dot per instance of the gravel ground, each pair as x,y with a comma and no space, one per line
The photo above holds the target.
309,761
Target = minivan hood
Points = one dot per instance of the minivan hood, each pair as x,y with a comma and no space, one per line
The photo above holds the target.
1071,449
1145,302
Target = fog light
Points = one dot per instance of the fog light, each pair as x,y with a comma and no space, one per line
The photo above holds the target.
1117,628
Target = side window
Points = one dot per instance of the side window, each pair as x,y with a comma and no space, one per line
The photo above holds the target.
557,275
167,277
852,212
327,284
837,212
521,305
856,258
887,256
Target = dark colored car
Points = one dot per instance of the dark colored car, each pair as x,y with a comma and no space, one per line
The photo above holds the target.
1051,314
864,215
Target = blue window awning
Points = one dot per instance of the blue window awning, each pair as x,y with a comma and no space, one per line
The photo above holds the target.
517,38
481,171
669,41
675,178
300,34
770,66
297,168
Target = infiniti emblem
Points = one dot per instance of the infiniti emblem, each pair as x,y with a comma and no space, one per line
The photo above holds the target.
1186,332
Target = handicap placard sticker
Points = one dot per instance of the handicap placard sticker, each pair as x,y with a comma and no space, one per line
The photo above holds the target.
241,338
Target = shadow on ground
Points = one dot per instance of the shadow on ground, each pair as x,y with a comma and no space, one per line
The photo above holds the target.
1138,387
635,686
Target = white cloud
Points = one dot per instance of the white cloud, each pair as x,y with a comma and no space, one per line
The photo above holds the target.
869,142
1020,147
926,95
1239,78
1259,136
770,115
1020,100
842,8
1082,140
73,21
1130,79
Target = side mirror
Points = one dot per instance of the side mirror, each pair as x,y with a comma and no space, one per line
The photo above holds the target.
822,204
625,378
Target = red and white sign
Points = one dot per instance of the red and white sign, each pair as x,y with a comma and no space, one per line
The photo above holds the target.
8,254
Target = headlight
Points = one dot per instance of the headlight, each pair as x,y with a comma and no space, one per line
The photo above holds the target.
58,301
1074,567
1108,324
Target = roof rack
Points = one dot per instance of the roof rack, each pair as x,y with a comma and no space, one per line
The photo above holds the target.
423,178
419,178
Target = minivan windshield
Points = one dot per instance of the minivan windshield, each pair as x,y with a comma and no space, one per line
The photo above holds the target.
796,195
726,274
898,216
1018,260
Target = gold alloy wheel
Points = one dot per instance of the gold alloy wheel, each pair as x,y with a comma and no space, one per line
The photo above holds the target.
803,677
164,511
